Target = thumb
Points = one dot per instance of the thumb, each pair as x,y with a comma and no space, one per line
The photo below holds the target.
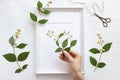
68,56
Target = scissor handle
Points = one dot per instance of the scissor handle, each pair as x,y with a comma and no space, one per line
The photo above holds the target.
108,20
105,24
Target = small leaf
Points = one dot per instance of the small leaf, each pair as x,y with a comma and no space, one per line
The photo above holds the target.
25,66
61,34
12,40
94,51
73,43
65,43
101,65
93,61
33,17
58,50
18,70
39,4
67,49
10,57
23,56
46,12
21,45
57,43
107,47
43,21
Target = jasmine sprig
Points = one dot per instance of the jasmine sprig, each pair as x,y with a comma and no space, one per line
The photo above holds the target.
103,48
12,56
64,44
40,7
34,17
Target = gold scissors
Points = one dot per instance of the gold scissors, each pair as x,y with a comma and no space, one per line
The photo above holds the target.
105,21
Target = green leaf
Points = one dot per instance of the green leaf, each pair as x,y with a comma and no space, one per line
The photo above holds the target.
10,57
39,5
21,45
67,49
18,70
23,56
57,43
25,66
73,43
46,12
12,40
93,61
65,43
101,64
33,17
61,34
58,50
43,21
107,47
94,51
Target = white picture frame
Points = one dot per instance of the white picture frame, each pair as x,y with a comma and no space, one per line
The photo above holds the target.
61,18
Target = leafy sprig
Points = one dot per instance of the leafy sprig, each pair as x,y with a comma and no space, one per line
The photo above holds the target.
103,48
13,57
63,41
34,18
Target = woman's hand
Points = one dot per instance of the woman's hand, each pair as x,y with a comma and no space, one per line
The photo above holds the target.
74,60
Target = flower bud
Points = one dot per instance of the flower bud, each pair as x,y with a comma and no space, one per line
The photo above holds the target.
49,3
19,30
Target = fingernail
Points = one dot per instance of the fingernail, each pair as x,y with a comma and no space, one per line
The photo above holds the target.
58,56
61,54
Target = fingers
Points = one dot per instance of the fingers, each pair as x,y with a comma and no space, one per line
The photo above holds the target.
74,54
70,57
66,57
62,57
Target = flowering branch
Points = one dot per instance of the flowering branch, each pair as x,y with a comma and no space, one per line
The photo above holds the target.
12,57
103,49
34,18
64,45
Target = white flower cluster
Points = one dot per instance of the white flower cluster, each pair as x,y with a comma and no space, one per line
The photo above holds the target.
51,34
49,3
17,33
100,41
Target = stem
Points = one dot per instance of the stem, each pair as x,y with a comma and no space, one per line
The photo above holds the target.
63,52
98,61
101,52
16,57
61,46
